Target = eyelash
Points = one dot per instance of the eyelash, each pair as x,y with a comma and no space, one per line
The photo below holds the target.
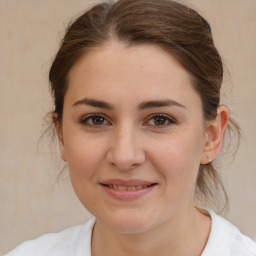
166,118
85,119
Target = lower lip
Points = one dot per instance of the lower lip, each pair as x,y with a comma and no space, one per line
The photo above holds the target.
126,195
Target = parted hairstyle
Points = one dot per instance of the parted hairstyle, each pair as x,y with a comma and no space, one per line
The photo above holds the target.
174,27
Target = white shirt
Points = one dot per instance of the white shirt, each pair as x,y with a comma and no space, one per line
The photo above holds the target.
224,240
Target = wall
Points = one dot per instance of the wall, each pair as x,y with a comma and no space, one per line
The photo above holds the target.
32,201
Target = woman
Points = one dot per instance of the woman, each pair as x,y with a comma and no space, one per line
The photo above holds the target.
136,86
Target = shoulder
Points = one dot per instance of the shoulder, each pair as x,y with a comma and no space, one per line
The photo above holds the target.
226,239
71,241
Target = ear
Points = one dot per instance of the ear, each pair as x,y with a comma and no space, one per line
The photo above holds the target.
214,135
58,129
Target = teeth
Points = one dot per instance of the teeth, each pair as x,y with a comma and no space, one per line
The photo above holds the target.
127,188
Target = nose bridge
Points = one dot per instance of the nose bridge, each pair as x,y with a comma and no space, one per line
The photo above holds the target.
125,151
125,136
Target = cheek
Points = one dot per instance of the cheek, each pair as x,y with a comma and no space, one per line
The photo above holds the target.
84,159
84,156
178,158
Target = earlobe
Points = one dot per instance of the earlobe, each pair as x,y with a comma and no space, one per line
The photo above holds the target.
214,135
60,137
62,148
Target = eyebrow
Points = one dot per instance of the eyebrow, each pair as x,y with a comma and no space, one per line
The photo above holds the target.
142,106
159,103
93,103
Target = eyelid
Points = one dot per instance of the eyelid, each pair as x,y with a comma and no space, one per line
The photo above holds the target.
84,118
170,119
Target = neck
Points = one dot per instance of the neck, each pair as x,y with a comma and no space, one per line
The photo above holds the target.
186,233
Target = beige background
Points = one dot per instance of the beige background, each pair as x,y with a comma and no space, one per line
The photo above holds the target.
31,200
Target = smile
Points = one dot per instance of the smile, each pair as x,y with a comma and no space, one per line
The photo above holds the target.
127,190
127,187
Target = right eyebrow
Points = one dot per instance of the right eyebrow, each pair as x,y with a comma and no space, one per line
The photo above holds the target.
93,103
159,103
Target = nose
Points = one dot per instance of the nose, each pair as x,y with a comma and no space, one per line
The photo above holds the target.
124,150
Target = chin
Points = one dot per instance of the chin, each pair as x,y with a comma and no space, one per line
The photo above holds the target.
129,222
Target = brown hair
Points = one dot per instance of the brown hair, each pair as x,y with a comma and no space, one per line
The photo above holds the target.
176,28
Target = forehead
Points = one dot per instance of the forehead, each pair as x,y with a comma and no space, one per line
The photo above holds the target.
116,56
144,71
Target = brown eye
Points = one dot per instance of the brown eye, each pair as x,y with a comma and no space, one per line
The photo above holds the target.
97,120
160,120
94,121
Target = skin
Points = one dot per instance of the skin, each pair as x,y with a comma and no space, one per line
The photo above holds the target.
128,142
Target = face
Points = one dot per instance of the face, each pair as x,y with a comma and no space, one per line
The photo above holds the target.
133,136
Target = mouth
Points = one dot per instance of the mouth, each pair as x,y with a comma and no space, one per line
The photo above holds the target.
122,188
127,190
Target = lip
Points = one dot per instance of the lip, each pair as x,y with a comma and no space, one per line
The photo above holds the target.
127,195
127,183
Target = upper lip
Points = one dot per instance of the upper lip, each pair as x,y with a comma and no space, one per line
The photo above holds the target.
126,183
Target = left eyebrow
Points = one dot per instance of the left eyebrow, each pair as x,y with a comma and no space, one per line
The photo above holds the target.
159,103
